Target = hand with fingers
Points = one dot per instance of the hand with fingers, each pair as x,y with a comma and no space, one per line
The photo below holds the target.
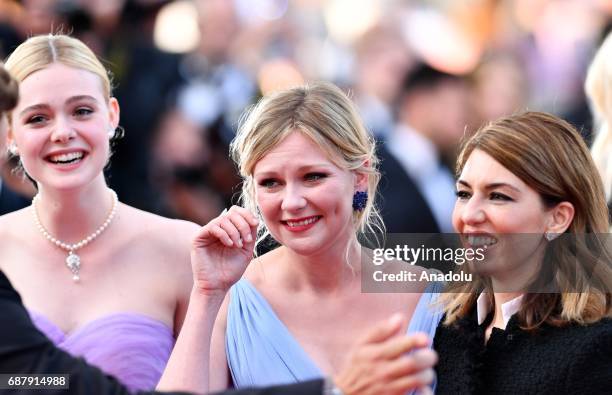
222,250
387,362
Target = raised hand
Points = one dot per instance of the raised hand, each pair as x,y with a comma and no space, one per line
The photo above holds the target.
381,363
222,250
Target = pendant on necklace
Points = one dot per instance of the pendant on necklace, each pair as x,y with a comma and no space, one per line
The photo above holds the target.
73,261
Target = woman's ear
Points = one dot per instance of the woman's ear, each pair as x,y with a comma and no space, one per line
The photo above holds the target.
361,177
9,139
114,111
561,217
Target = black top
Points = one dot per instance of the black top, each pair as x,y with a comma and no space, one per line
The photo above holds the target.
569,360
23,349
402,206
11,201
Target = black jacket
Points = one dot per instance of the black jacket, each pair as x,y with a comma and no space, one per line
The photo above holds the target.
23,349
11,201
402,206
569,360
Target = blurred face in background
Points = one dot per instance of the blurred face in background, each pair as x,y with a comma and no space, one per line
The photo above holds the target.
382,62
438,111
218,27
500,90
447,113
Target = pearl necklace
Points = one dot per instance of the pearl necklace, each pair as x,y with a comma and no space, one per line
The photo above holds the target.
73,261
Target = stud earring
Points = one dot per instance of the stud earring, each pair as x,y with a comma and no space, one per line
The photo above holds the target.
13,150
111,133
550,236
360,199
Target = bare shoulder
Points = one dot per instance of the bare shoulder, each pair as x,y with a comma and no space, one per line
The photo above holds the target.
16,228
262,268
13,224
168,239
158,228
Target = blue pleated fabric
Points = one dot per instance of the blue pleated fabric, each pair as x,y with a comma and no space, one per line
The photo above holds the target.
261,351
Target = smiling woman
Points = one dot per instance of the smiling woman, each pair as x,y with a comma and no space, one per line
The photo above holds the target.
117,273
290,176
310,175
537,316
58,104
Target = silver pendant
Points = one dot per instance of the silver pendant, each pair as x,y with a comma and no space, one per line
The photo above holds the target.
73,261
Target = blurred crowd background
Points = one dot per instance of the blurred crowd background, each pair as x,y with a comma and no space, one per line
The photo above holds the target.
423,74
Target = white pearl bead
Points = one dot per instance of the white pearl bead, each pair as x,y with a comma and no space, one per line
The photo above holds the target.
73,247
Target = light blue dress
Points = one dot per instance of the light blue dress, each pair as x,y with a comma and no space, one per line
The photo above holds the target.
261,351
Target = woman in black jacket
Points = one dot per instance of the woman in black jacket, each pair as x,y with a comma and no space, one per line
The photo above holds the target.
536,317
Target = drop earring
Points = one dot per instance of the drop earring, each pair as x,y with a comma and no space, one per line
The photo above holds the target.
360,199
550,236
13,150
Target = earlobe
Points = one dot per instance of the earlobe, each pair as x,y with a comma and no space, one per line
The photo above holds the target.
10,143
561,218
361,181
12,148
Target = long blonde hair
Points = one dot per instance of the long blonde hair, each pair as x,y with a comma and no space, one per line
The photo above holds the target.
598,87
38,52
323,113
549,155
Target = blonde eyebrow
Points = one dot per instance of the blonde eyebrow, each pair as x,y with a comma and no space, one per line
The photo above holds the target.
72,99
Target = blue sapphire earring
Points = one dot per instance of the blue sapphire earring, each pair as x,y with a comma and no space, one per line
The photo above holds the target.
360,198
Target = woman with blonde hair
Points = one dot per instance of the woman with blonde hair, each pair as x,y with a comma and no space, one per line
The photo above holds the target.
536,317
103,280
598,87
310,174
24,349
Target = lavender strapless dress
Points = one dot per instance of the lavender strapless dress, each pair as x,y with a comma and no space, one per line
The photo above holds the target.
131,347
